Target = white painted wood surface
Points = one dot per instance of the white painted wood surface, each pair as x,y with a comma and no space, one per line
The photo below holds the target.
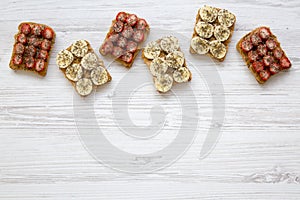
257,156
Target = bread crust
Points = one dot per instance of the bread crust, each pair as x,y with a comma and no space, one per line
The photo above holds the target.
22,66
245,55
77,60
128,65
226,43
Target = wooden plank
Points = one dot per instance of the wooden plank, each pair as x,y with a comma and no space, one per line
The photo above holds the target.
42,156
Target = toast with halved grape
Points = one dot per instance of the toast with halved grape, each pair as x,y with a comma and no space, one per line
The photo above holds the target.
166,63
125,38
82,67
33,45
263,54
212,32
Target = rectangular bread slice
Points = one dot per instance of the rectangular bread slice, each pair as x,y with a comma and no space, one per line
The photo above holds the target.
86,73
163,55
125,51
37,48
249,63
213,38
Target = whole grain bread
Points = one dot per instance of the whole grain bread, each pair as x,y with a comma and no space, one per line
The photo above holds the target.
226,43
163,55
22,66
77,60
128,65
245,55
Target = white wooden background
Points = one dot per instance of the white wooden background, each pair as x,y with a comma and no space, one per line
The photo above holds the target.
41,156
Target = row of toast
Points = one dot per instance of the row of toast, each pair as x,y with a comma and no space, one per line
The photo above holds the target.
213,30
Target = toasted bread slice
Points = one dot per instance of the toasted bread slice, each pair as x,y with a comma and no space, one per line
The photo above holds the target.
170,70
86,73
277,61
36,47
136,28
213,38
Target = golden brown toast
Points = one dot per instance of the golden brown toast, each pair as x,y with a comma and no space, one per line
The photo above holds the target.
146,32
249,63
215,23
163,55
77,60
36,46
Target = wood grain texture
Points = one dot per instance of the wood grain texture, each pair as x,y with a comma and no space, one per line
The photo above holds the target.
257,156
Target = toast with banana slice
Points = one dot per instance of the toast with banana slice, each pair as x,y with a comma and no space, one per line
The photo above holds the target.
212,32
82,67
263,54
125,38
33,45
166,63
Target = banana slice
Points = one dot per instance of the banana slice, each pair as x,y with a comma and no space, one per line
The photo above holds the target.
163,83
169,44
199,45
165,44
221,33
84,86
74,72
152,50
175,42
204,30
99,76
64,59
79,48
181,75
175,59
217,49
158,67
90,61
226,18
208,14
